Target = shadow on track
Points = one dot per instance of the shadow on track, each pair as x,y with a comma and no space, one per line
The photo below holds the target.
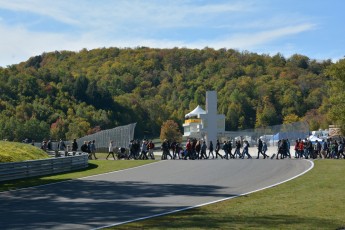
89,203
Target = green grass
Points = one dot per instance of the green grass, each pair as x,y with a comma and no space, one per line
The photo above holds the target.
95,167
315,200
15,152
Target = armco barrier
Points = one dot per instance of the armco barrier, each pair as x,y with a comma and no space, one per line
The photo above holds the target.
17,170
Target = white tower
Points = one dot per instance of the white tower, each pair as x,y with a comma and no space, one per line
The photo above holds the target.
207,124
212,122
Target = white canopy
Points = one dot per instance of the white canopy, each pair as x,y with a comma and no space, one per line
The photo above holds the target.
196,112
314,138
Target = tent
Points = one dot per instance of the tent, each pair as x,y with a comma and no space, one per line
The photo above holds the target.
314,138
196,112
290,135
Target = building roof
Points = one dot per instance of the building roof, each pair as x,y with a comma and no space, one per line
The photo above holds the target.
196,112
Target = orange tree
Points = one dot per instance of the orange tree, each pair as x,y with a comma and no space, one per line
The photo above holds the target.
170,131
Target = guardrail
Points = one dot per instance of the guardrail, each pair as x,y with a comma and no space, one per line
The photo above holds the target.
25,169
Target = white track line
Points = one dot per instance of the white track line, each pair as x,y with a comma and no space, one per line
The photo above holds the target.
212,202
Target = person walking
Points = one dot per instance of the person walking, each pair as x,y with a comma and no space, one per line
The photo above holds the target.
203,150
238,149
260,151
264,149
111,150
93,150
341,150
225,149
246,150
198,149
150,147
165,148
217,150
188,150
210,148
230,149
324,147
143,153
300,148
288,146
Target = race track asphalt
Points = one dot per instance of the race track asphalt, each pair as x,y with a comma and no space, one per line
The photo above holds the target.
150,190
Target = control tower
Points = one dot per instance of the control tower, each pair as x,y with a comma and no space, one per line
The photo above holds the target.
205,125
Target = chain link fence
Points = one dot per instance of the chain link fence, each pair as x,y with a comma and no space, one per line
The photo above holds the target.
121,137
270,134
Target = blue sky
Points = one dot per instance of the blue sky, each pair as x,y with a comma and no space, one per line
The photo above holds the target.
314,28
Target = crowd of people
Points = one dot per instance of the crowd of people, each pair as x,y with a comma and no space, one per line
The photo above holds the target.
137,150
198,149
87,147
330,148
304,149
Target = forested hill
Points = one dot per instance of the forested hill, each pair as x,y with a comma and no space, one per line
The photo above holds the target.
70,94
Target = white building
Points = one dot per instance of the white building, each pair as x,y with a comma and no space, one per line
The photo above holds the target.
206,125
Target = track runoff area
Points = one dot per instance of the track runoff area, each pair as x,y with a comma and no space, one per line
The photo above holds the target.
152,190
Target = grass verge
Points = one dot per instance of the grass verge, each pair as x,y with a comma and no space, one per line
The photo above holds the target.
16,152
95,167
313,201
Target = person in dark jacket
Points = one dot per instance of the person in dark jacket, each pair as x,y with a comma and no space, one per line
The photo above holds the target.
260,149
210,150
217,150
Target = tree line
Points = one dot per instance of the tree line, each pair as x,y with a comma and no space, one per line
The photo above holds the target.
67,95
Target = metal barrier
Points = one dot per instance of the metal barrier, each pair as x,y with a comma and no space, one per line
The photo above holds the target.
25,169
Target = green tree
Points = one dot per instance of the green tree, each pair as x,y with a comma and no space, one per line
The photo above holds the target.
34,129
78,128
112,87
266,114
80,87
290,118
337,95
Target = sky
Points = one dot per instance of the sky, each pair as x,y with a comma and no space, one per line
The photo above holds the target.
314,28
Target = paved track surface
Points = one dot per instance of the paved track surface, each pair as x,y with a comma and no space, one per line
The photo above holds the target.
165,186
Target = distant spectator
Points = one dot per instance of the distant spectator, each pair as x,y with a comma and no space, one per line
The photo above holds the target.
44,145
74,145
61,145
49,145
93,149
84,148
111,150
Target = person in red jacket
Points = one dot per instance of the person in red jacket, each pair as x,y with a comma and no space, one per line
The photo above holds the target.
300,148
150,147
188,150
